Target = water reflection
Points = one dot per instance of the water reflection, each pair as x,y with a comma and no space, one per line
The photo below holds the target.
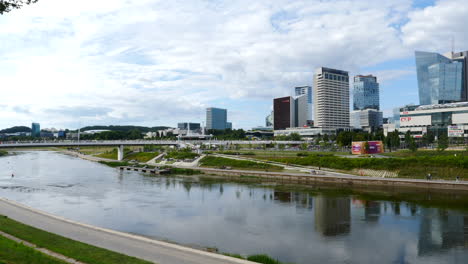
332,215
298,227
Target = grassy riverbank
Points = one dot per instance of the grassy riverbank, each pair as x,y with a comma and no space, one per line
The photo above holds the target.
218,162
15,253
264,259
417,166
141,156
67,247
3,153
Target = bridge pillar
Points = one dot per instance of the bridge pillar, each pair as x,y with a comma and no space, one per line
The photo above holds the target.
120,152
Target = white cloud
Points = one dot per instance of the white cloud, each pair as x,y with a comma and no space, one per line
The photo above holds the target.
164,61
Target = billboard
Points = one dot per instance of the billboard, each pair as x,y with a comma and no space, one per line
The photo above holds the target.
358,147
424,120
455,131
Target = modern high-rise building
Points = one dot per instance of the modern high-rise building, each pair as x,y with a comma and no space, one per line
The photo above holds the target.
331,98
305,90
35,130
216,118
290,112
283,109
369,119
442,78
366,93
301,110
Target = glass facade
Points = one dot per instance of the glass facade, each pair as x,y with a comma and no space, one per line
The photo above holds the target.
216,118
366,93
440,79
35,130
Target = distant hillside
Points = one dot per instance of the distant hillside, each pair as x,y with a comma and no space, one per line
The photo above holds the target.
16,129
124,128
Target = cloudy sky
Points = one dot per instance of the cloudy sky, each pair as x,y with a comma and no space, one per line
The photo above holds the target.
148,62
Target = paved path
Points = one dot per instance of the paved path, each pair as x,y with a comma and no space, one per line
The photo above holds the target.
132,245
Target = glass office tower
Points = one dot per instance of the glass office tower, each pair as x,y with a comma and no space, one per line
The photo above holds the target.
35,130
366,93
216,118
440,78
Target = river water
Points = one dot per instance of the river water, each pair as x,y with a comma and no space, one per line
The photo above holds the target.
292,226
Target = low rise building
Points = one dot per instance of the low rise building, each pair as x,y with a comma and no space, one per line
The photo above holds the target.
306,132
450,119
368,120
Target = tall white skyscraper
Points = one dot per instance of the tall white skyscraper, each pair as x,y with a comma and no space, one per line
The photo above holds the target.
331,98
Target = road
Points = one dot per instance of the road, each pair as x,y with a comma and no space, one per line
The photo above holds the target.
132,245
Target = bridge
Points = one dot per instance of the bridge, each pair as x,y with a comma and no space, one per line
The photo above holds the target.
120,144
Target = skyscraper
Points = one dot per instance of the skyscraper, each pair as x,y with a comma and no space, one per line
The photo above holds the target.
283,109
441,79
35,130
305,90
301,110
216,118
331,98
366,93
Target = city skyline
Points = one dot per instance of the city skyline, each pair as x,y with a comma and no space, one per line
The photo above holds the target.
104,68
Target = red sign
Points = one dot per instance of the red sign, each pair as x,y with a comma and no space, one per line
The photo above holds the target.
405,119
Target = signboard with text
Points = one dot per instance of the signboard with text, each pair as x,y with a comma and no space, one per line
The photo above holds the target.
359,147
455,131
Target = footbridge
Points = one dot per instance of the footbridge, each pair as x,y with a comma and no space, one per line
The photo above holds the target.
120,144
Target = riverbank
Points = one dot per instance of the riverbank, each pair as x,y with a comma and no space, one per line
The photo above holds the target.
127,244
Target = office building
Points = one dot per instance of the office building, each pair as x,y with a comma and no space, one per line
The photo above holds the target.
331,98
290,112
283,109
449,119
305,90
368,120
301,111
441,79
366,93
191,126
216,118
228,125
35,130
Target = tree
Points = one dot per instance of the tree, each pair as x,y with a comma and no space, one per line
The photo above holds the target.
408,138
442,142
412,145
367,147
304,146
295,137
8,5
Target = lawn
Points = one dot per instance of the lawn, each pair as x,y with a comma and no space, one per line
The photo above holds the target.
181,155
141,156
440,166
218,162
67,247
15,253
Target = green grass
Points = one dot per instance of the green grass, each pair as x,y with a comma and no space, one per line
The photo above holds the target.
3,153
141,156
442,167
67,247
217,162
16,253
425,153
181,155
114,164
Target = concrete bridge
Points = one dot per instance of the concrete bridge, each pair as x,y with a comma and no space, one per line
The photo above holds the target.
120,144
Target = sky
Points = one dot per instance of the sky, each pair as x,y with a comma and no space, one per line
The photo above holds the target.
69,64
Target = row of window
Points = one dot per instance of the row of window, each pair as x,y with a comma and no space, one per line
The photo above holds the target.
335,77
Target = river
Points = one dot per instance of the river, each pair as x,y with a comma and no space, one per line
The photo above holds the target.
293,226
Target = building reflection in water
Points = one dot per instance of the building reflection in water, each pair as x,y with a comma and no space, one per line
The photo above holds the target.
371,211
300,199
441,230
332,215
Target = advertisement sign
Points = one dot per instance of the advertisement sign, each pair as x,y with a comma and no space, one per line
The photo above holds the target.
359,148
455,131
416,120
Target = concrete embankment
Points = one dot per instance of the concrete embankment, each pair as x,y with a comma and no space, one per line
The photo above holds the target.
340,178
144,248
